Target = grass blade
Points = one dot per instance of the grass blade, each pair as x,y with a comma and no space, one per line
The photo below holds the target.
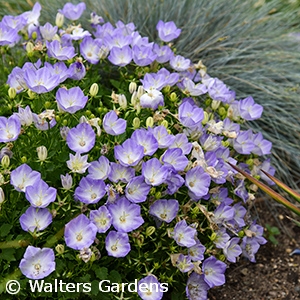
277,197
290,191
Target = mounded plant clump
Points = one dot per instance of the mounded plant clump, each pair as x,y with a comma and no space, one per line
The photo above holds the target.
116,162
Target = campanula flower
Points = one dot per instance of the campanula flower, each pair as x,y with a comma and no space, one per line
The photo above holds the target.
167,31
81,139
112,124
73,11
120,56
129,153
154,172
80,233
99,169
23,177
40,194
37,263
42,80
213,271
10,128
137,190
149,288
126,216
90,190
197,181
101,218
117,244
78,163
164,210
196,287
60,52
184,235
35,219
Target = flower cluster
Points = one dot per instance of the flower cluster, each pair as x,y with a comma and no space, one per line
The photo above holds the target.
133,143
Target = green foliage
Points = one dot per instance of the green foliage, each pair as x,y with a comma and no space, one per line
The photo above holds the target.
271,233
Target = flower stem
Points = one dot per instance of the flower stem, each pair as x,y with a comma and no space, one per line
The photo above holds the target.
14,244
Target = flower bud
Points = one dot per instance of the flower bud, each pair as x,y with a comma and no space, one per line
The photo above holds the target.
133,98
149,122
94,89
42,153
167,89
250,162
158,195
140,91
34,35
225,144
207,102
241,234
152,191
60,248
138,108
150,230
132,87
29,48
56,38
66,181
213,236
93,257
12,92
136,123
23,159
215,104
31,94
2,180
2,196
47,104
5,161
222,111
59,20
122,101
64,132
222,257
83,119
206,118
140,240
165,123
173,97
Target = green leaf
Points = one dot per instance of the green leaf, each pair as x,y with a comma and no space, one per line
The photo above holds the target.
95,287
85,278
114,276
272,229
101,273
115,83
8,254
272,239
5,229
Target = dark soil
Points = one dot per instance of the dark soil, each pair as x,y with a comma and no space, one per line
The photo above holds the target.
276,274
